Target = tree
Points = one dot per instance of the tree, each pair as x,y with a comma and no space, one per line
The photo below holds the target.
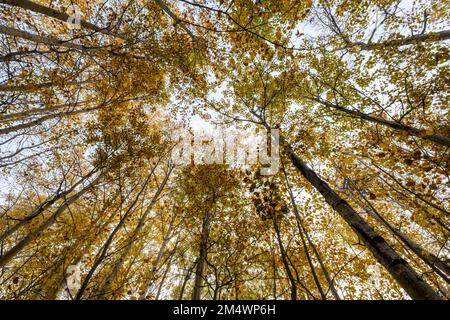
94,205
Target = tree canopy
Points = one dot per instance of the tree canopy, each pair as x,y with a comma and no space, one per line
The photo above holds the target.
93,204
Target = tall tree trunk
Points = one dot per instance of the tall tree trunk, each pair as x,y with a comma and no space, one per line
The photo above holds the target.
236,288
43,206
52,282
304,233
430,37
284,259
148,282
440,139
429,258
439,266
186,279
73,254
20,116
203,251
54,42
100,257
166,272
11,253
104,249
399,268
105,288
28,87
274,275
43,119
53,13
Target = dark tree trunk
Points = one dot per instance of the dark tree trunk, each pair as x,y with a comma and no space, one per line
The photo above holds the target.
203,251
399,269
284,258
440,139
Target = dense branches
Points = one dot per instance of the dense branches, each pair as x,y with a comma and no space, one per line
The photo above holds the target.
94,203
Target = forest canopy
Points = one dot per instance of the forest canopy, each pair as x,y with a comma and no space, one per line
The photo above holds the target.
350,103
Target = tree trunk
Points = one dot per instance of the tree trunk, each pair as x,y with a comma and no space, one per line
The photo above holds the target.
203,251
53,13
304,233
186,279
28,87
429,258
284,259
399,269
104,249
43,206
4,259
166,272
105,288
148,282
440,139
53,42
431,37
44,119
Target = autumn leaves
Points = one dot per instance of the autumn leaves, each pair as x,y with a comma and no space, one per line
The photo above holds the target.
86,128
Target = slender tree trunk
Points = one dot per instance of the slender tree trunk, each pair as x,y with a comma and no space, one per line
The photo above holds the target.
25,114
186,279
43,119
399,268
415,194
28,87
430,259
440,139
310,263
4,259
52,282
166,272
304,233
105,288
100,257
53,13
43,206
55,281
148,282
54,42
284,259
430,37
215,292
275,274
104,249
203,251
440,267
